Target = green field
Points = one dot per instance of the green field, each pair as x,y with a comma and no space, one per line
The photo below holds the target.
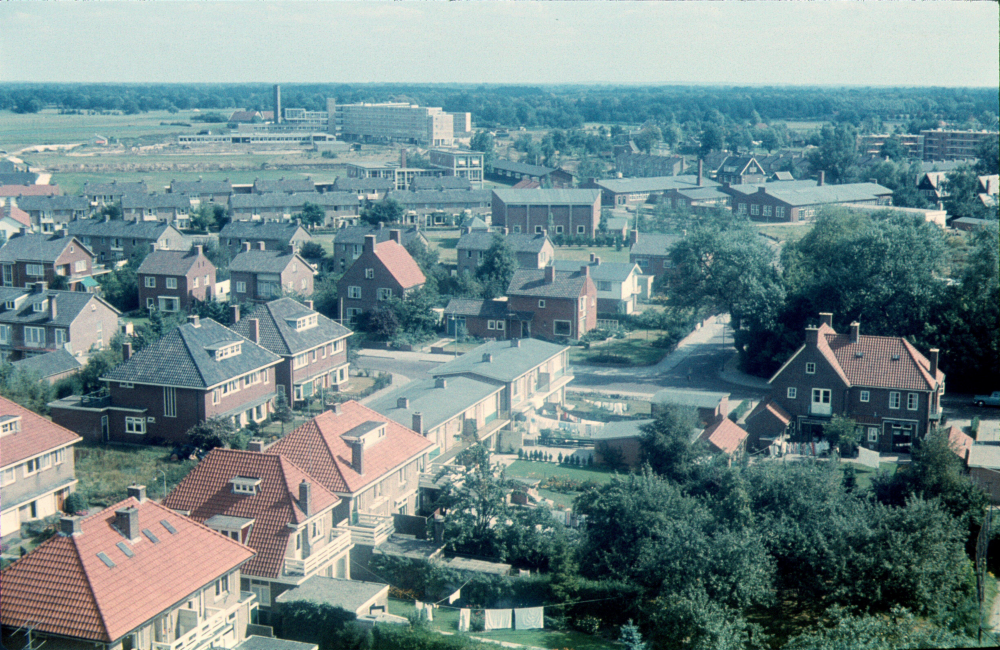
49,127
541,471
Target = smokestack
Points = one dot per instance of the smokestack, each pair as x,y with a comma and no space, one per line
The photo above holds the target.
934,362
234,312
305,497
254,330
826,318
550,274
70,526
418,422
855,332
277,104
394,236
127,522
369,243
137,492
822,177
701,165
126,350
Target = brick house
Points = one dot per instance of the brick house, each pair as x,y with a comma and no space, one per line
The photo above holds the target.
740,169
172,280
349,241
101,194
261,275
37,320
618,283
113,241
564,303
36,466
532,251
195,372
891,390
31,258
50,213
276,235
651,251
485,319
125,578
571,212
268,503
796,201
206,191
726,437
509,171
382,272
313,348
619,192
175,209
281,206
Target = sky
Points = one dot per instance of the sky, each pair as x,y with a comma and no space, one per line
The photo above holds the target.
888,43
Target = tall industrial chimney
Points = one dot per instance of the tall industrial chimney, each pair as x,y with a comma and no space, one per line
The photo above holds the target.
277,104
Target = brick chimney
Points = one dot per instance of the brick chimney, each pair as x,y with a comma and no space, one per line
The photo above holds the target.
246,246
418,422
70,526
585,270
194,321
934,352
126,350
309,305
596,261
591,258
261,246
39,287
855,332
812,336
337,408
550,274
370,243
634,236
127,522
822,178
394,236
515,343
199,250
402,402
254,330
137,492
305,497
826,318
234,312
256,444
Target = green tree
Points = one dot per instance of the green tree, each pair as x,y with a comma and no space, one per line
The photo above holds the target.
282,411
961,197
843,434
648,137
712,139
209,217
484,141
669,446
387,211
897,630
112,211
98,365
121,288
382,323
988,154
474,503
313,251
26,388
497,268
312,215
630,637
214,432
893,149
837,153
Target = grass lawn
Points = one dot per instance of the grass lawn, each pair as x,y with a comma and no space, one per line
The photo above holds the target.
866,474
49,127
541,471
785,234
445,242
105,471
583,253
635,350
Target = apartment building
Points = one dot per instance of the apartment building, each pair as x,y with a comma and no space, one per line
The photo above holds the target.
172,281
36,320
392,122
564,303
113,241
459,163
558,212
261,275
872,143
945,144
30,258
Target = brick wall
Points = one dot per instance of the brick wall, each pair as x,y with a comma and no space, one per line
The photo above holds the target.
94,327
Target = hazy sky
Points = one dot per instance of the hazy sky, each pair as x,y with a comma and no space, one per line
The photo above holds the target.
858,43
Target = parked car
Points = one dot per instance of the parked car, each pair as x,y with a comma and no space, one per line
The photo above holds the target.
987,400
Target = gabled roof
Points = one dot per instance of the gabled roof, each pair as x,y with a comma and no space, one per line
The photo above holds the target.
400,264
50,364
653,243
356,234
290,200
545,197
884,362
436,403
603,272
37,435
171,262
519,242
752,188
507,360
69,305
64,588
175,201
531,282
146,230
440,183
207,492
345,184
317,447
258,261
725,435
53,202
30,190
15,213
252,231
262,185
740,165
281,338
474,223
35,247
960,442
182,358
114,187
826,193
421,197
201,186
243,116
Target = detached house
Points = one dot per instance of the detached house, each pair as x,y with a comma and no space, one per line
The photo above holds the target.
531,251
349,242
276,235
260,275
891,390
651,251
136,575
382,272
30,258
36,465
173,280
564,303
119,240
741,169
195,372
618,283
37,320
313,348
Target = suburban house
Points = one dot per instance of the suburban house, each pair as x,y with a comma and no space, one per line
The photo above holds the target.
30,258
798,201
281,206
197,371
313,348
532,251
36,466
373,189
485,319
452,412
564,303
49,213
205,191
101,194
618,283
651,251
119,240
13,220
260,275
737,170
349,241
174,209
173,280
37,320
268,503
50,366
510,172
726,437
382,272
276,235
124,578
891,390
558,212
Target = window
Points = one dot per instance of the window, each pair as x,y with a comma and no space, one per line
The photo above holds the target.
38,306
767,211
912,400
581,230
541,304
31,467
230,387
369,274
354,293
353,313
222,586
4,333
135,425
791,392
301,360
865,396
36,270
384,294
60,338
126,384
894,400
150,282
60,456
562,327
169,401
34,336
313,360
873,434
538,230
754,209
9,476
742,208
196,283
46,460
810,368
171,283
241,287
80,266
216,396
779,212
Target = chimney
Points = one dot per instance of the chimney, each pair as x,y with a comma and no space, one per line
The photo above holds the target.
440,382
277,104
545,232
357,455
515,343
394,236
822,178
246,246
812,336
585,270
126,350
255,444
402,402
309,305
934,363
826,318
487,357
254,330
137,492
370,243
305,496
550,274
52,307
194,321
337,408
855,332
402,158
199,250
127,522
683,165
70,526
591,258
634,236
234,312
40,287
701,165
418,422
597,261
261,246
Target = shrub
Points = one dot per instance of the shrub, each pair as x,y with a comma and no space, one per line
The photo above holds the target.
75,503
974,427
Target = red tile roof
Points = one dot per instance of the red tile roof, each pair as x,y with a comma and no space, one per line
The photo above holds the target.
15,213
206,492
725,435
767,419
399,263
317,445
876,367
30,190
63,587
960,442
36,436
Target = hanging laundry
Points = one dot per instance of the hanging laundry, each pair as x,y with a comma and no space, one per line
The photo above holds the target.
455,596
498,619
464,619
428,612
524,573
531,618
420,610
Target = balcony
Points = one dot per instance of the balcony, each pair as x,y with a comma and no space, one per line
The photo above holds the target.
935,415
371,530
822,410
338,541
195,634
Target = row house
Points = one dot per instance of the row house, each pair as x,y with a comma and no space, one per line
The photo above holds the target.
427,202
313,348
485,319
260,275
114,240
204,191
37,320
564,303
283,185
271,505
349,241
30,190
102,194
174,209
32,257
891,390
452,412
651,252
50,213
197,371
136,576
37,470
13,220
383,272
531,251
372,189
558,212
797,201
622,192
276,235
171,281
619,284
511,172
280,206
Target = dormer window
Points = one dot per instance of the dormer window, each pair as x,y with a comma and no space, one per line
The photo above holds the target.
38,306
245,485
304,323
9,304
224,351
10,424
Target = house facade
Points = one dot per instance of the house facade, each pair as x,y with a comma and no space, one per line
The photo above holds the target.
618,283
798,201
276,235
205,191
174,209
532,251
559,212
112,241
485,319
651,252
260,275
350,241
38,320
50,213
382,272
31,258
172,281
564,303
101,194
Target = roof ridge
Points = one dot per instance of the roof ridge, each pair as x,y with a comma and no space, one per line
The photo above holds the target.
187,346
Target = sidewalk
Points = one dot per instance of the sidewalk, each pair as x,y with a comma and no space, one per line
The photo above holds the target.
732,375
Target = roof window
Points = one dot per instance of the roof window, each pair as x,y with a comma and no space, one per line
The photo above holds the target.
304,323
104,558
9,424
226,350
166,524
245,485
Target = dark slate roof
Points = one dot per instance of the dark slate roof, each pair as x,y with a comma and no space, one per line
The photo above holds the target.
828,193
605,271
475,223
543,197
651,243
507,362
531,282
69,304
279,337
169,262
69,202
181,358
291,200
522,168
18,178
736,164
751,188
50,363
356,234
441,196
148,230
258,261
345,184
156,201
114,187
34,247
519,242
703,194
440,183
261,185
654,183
479,308
201,186
263,230
437,404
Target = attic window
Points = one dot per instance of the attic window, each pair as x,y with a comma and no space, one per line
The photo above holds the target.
245,485
859,354
10,424
104,558
166,524
9,304
227,351
895,357
304,323
148,533
38,306
123,547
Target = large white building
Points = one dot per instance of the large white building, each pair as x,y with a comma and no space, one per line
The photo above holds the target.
397,121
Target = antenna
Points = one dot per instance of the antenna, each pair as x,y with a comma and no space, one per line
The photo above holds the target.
29,628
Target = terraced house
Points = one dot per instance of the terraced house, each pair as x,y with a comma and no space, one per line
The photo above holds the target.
260,275
50,213
113,241
31,258
206,191
280,206
195,372
174,209
38,320
276,235
101,194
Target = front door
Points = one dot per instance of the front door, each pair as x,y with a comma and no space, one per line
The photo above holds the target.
105,430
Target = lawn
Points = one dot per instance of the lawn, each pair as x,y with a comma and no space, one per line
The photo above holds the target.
541,471
866,474
105,471
445,242
633,350
583,253
49,127
784,234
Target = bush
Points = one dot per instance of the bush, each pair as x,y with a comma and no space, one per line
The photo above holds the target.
974,427
75,503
